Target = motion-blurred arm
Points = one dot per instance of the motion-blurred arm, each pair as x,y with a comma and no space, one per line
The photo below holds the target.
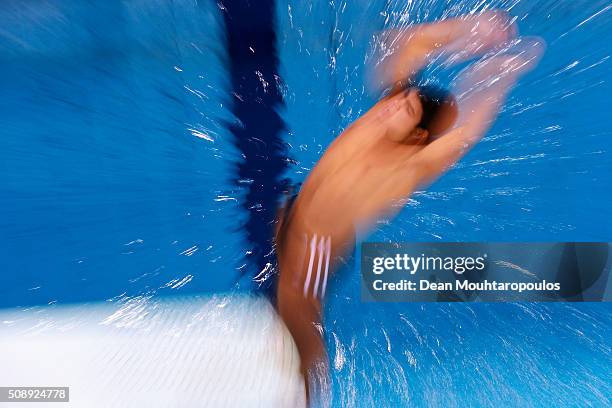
454,40
480,92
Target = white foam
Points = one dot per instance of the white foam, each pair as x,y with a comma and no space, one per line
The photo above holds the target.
219,352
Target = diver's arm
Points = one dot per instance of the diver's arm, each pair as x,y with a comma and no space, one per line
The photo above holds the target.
459,39
481,90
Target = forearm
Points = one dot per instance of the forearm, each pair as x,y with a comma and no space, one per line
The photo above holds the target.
460,38
481,91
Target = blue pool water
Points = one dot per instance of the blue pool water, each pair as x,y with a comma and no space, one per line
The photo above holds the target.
121,176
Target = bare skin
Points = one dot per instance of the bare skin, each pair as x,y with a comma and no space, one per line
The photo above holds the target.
384,157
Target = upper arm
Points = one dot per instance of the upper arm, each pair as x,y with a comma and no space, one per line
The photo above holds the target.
481,91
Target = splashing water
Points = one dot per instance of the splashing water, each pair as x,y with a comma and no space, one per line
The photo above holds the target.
119,159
